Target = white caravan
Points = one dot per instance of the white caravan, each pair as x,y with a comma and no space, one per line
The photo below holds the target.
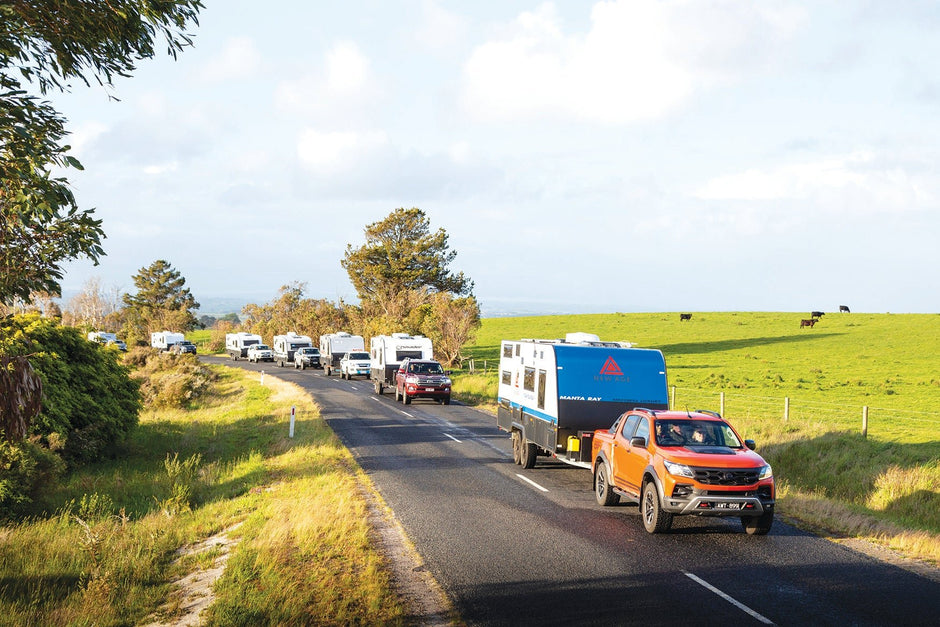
237,344
334,345
164,340
285,346
388,351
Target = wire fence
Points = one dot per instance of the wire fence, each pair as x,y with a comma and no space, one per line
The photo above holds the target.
888,421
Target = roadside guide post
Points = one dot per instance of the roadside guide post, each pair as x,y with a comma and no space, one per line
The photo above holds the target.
293,409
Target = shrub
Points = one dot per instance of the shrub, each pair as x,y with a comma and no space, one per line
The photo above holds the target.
25,467
168,380
89,401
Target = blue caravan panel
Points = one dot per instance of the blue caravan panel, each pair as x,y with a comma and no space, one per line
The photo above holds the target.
634,376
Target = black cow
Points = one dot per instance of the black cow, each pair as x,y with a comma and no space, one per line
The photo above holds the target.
817,314
685,317
808,323
844,308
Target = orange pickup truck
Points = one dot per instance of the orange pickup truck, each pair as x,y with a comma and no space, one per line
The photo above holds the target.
676,463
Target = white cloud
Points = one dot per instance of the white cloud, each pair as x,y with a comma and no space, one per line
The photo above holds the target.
332,151
440,29
858,181
86,134
161,168
341,88
238,59
640,60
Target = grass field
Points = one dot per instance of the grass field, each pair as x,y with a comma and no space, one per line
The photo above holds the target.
104,548
885,486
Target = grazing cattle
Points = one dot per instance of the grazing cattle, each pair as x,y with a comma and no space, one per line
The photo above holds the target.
844,308
817,314
685,317
808,323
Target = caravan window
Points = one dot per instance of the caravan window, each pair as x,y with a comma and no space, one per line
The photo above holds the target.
541,395
401,356
528,381
518,349
507,377
507,350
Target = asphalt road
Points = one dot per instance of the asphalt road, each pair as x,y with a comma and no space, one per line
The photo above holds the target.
531,547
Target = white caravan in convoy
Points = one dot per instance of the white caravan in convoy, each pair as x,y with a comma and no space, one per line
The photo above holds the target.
285,346
388,351
334,345
237,344
164,340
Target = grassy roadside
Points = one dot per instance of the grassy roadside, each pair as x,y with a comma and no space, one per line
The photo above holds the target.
105,553
884,488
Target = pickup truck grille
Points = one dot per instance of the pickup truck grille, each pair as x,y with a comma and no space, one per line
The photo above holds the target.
726,476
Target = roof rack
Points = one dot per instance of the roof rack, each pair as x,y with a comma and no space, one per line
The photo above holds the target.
708,412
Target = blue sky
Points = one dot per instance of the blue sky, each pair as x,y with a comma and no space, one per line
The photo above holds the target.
706,155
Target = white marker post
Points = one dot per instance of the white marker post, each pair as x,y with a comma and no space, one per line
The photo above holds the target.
262,377
292,411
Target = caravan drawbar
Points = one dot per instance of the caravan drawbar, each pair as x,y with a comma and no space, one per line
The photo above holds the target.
553,394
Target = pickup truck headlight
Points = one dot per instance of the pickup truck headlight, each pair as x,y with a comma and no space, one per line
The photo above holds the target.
446,381
766,472
679,470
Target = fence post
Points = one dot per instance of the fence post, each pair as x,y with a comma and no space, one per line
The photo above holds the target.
722,410
673,403
786,408
865,421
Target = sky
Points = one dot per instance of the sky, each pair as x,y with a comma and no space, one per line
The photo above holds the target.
622,156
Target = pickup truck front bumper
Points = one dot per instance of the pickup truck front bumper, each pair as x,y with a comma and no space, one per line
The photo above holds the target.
701,503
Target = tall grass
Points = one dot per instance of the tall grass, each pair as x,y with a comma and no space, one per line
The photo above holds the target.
885,486
102,549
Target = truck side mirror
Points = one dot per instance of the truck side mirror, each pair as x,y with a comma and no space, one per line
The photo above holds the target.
750,444
638,441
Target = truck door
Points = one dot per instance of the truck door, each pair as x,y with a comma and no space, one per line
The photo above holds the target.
621,450
638,457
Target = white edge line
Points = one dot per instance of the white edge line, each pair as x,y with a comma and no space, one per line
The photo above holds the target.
453,438
406,413
727,598
529,481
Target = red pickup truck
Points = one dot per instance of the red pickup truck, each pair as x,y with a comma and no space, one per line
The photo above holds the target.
677,463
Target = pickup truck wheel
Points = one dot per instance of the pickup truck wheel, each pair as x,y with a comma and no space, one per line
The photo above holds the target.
405,398
516,448
758,525
446,401
602,490
654,518
529,452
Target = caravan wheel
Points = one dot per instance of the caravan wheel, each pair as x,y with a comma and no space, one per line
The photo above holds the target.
529,451
516,448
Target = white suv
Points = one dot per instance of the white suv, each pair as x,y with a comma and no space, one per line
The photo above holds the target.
355,363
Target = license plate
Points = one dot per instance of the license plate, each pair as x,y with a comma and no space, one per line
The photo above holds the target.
727,506
428,389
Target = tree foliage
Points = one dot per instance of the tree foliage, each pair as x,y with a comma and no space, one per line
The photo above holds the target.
48,43
402,255
450,323
291,311
162,302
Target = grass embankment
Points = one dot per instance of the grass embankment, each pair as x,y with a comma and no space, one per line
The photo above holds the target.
110,548
884,487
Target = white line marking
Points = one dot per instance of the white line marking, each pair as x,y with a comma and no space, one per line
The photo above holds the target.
529,481
453,438
727,598
406,413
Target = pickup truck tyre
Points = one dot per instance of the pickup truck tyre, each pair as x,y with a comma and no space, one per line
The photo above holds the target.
446,401
758,525
378,387
655,520
405,398
529,451
603,492
516,448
